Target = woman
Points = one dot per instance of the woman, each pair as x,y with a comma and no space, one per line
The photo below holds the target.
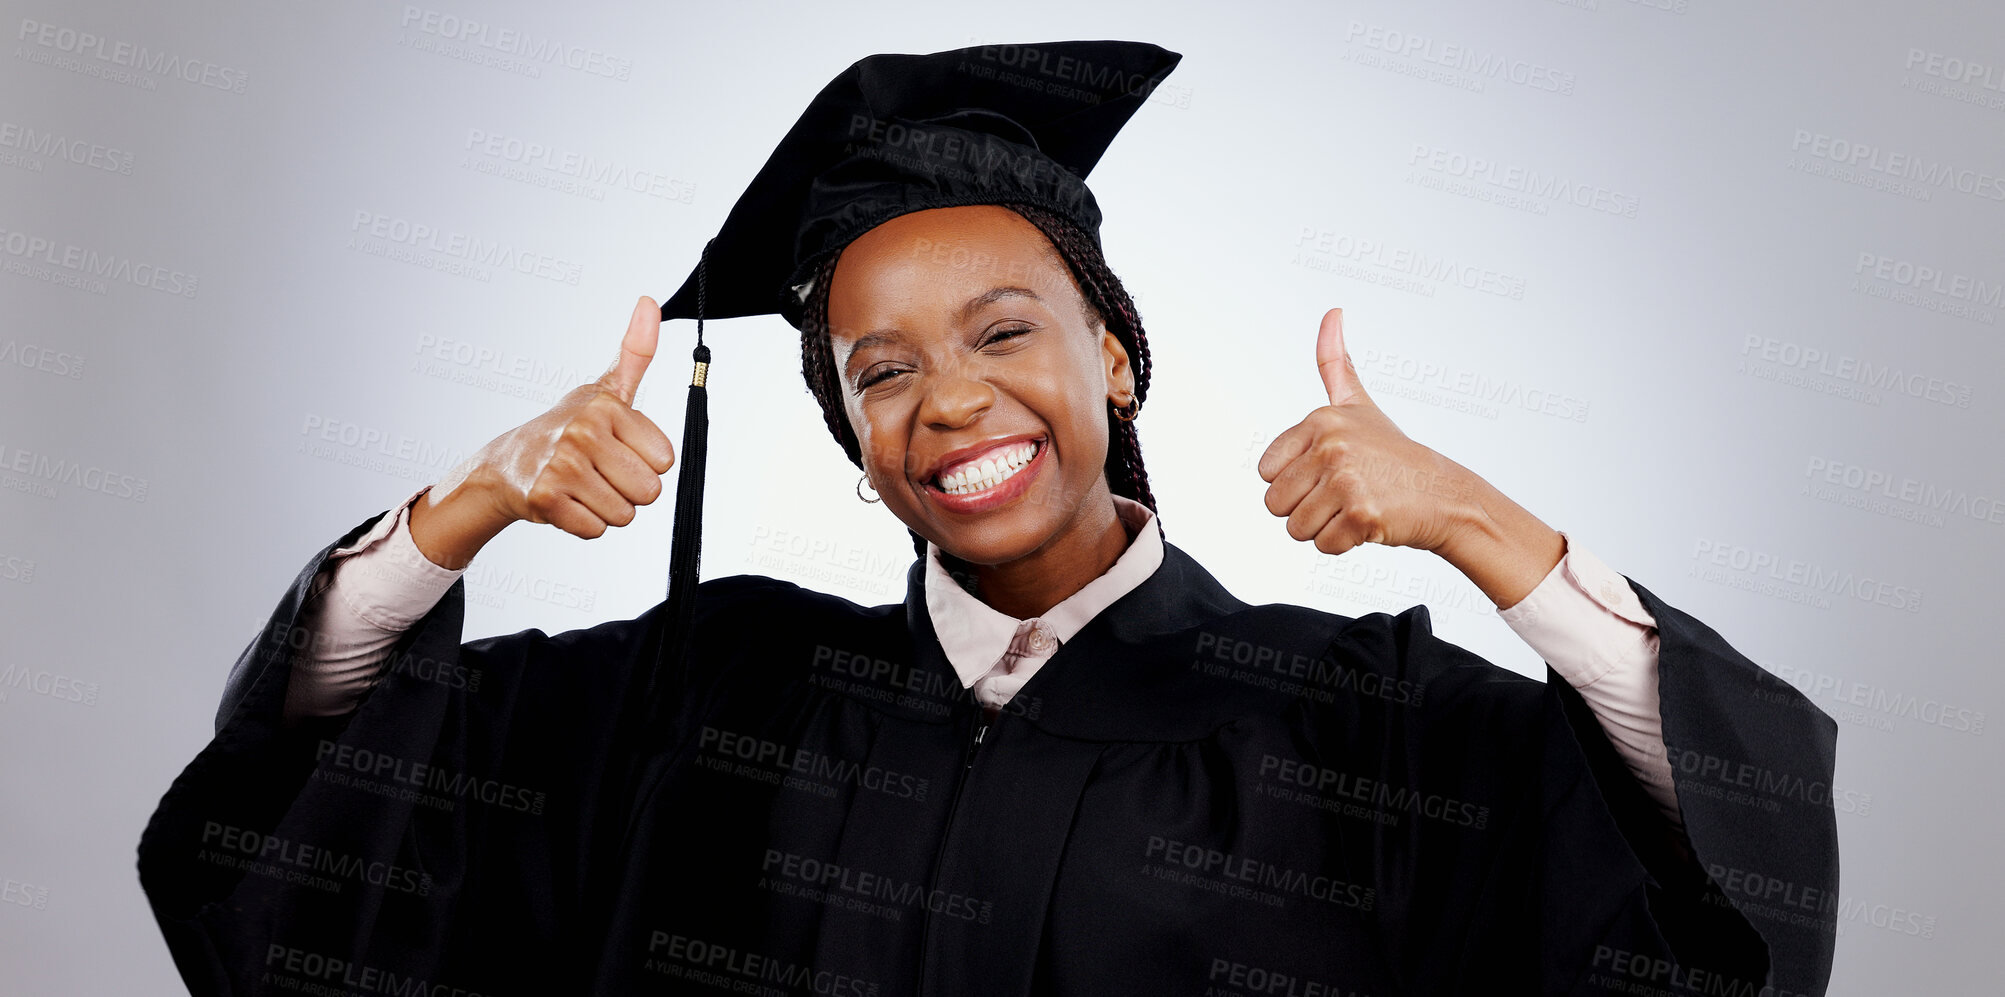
1067,764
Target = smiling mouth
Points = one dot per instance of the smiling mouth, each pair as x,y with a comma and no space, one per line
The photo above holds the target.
995,468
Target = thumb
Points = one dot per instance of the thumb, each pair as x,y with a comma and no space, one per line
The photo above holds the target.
1333,361
636,350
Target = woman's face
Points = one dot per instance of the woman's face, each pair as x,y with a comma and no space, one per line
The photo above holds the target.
960,338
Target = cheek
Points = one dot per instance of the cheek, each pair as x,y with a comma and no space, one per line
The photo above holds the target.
1080,430
1086,413
1092,442
881,442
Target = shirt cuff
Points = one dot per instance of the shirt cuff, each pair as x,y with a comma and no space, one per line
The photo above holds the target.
386,581
1583,618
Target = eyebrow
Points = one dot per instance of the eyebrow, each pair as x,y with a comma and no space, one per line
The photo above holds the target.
880,337
993,295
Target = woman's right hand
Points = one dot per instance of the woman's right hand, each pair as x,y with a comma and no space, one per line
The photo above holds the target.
582,466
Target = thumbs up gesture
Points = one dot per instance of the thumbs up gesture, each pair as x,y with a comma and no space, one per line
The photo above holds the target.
582,466
1345,475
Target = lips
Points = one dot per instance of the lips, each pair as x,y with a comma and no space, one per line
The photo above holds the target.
958,460
987,469
988,475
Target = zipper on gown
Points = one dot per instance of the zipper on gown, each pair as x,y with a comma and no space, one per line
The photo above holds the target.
981,730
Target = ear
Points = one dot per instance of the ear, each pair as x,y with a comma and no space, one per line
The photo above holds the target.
1114,360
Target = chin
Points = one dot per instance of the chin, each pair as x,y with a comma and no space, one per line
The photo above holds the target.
995,542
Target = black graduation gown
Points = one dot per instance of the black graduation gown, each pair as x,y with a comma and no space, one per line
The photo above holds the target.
1192,796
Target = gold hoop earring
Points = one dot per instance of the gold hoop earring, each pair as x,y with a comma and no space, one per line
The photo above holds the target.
1128,412
860,482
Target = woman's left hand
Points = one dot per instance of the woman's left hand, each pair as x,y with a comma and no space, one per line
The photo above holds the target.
1345,475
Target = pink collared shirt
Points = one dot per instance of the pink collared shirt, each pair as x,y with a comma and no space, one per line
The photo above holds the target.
995,654
1582,618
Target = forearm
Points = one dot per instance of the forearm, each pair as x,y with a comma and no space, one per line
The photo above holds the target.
455,519
1501,546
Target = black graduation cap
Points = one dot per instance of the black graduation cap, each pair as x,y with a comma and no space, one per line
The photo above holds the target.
894,134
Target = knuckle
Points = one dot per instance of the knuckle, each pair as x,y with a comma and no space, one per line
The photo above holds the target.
580,434
546,497
1332,448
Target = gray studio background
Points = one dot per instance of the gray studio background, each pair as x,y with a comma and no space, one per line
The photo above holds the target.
1714,286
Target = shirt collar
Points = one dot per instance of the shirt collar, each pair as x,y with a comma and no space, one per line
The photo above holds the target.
975,635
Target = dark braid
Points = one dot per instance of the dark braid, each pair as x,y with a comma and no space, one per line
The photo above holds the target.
1106,301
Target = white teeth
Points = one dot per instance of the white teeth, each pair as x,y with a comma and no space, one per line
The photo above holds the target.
989,472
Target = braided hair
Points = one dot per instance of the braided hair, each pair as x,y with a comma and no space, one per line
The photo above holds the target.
1106,301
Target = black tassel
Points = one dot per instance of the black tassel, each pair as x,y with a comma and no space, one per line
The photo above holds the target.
685,550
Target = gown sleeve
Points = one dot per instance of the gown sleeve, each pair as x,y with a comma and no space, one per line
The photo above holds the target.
456,829
1577,879
367,596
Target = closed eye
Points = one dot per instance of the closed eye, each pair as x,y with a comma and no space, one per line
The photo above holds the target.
880,375
1010,332
1000,335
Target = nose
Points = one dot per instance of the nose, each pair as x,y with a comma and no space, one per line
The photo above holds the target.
954,398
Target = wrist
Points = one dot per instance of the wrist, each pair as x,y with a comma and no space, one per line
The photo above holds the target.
1503,548
453,520
1474,533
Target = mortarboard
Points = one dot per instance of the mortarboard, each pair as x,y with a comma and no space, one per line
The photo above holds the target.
895,134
